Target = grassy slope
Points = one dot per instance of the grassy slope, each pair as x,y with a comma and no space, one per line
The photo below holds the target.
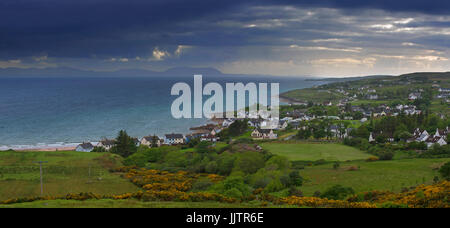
380,175
318,94
314,152
314,95
65,172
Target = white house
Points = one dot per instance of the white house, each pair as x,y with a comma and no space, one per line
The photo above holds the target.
282,125
414,96
106,143
371,138
263,134
373,97
173,139
149,140
423,136
209,138
85,147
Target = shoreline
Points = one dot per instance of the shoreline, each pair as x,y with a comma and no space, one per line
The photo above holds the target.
52,149
70,146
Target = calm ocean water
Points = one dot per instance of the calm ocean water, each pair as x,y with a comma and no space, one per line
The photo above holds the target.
52,112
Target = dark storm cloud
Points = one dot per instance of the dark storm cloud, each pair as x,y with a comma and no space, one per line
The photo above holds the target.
112,27
232,35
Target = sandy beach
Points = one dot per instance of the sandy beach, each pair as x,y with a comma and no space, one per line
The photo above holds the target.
63,148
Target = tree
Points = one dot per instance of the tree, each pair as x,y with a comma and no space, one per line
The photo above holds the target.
249,162
445,171
303,134
274,186
154,141
363,132
336,165
238,127
278,162
402,135
381,138
295,178
124,145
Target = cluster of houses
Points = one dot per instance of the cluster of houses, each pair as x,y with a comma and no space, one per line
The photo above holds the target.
367,112
439,137
107,144
444,93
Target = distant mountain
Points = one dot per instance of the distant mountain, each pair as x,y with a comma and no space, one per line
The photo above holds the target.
72,72
192,71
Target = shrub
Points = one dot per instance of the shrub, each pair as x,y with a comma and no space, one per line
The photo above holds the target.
337,192
249,162
445,171
201,185
372,159
317,194
294,191
231,182
295,178
233,193
261,182
211,167
336,165
320,162
274,186
280,162
385,155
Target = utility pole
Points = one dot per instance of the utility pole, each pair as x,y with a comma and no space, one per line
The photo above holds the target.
40,171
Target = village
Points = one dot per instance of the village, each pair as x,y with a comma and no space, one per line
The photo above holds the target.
335,128
334,111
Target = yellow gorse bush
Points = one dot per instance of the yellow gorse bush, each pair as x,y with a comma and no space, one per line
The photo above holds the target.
422,196
320,202
165,186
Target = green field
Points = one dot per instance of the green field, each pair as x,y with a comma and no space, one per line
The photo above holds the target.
380,175
65,172
315,151
313,94
107,203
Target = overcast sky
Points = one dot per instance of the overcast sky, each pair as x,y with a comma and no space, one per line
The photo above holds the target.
321,38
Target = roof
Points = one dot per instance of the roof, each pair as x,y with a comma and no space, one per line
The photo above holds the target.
174,136
108,142
150,138
264,131
86,146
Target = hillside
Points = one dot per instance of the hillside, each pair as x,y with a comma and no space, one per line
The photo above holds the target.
403,89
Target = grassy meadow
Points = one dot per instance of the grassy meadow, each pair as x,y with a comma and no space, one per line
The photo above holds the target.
65,172
108,203
380,175
315,151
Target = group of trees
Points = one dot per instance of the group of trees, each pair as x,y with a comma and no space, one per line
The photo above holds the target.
124,145
237,128
245,170
400,127
319,129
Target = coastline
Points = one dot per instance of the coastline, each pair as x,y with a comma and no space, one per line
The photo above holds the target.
71,144
53,149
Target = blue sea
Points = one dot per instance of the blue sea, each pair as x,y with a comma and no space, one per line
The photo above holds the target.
55,112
